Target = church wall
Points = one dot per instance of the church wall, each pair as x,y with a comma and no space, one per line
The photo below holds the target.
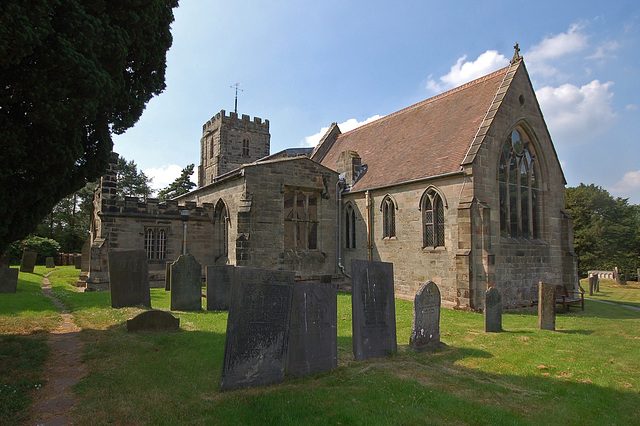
516,265
413,264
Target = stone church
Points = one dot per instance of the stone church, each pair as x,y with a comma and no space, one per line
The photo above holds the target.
464,189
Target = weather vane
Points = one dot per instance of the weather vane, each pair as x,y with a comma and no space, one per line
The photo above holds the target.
236,86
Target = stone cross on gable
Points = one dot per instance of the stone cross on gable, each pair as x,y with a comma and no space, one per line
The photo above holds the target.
516,54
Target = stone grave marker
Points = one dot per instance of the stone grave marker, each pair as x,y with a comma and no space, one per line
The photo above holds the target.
493,311
546,306
425,328
129,278
8,280
49,263
255,351
28,261
153,321
313,335
374,311
220,280
592,283
77,261
186,284
167,277
85,260
616,275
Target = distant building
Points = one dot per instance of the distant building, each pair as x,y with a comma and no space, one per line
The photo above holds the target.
464,189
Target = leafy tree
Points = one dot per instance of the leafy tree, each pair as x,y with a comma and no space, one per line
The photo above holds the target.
132,183
180,186
71,72
44,247
606,230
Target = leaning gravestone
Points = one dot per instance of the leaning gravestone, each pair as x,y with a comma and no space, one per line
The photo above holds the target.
546,306
219,283
186,284
425,328
50,263
374,310
129,278
153,321
493,311
8,280
28,261
255,351
313,337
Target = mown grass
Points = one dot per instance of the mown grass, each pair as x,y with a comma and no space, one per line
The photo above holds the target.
587,372
24,317
610,291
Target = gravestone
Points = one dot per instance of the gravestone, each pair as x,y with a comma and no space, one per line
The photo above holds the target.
313,335
546,306
77,261
255,351
425,328
374,311
28,261
186,284
616,275
85,260
8,280
638,275
129,278
219,283
167,277
593,283
153,321
49,263
493,311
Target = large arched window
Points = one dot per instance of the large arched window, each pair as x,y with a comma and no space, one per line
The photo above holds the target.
388,208
350,226
518,181
432,219
220,230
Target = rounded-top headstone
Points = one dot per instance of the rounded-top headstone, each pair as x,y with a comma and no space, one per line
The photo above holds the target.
153,321
425,330
493,311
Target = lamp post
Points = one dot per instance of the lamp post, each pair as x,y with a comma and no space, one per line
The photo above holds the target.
185,219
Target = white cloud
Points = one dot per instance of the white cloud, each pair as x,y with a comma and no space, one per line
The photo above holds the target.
575,114
558,46
163,176
631,107
463,72
629,182
345,126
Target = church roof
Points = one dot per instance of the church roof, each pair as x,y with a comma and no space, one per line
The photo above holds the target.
431,138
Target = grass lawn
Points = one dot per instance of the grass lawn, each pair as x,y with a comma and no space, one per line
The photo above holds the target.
610,291
587,372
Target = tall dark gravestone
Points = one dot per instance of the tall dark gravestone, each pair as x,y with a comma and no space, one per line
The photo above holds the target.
255,351
167,276
129,278
28,261
374,309
49,263
8,280
186,284
493,311
313,337
425,328
546,306
219,283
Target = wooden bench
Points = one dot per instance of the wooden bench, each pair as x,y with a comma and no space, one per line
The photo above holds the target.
568,298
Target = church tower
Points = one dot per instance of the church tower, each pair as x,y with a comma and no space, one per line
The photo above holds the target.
228,142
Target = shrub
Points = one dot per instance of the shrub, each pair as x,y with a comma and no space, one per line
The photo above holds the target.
45,247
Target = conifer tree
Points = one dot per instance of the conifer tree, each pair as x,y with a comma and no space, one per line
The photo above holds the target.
180,186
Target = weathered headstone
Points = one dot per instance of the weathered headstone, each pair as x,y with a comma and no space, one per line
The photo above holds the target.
313,337
49,263
374,310
28,261
638,275
167,277
186,284
616,275
129,278
592,283
8,280
425,328
493,311
219,283
546,306
85,260
255,351
153,321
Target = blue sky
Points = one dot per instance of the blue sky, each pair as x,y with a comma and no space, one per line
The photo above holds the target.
303,65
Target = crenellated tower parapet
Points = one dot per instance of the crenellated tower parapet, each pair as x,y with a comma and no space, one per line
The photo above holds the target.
228,142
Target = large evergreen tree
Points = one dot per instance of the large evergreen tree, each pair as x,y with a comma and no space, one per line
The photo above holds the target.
180,186
131,182
606,229
71,72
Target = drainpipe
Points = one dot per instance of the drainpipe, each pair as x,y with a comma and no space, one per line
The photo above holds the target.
185,218
339,227
368,203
